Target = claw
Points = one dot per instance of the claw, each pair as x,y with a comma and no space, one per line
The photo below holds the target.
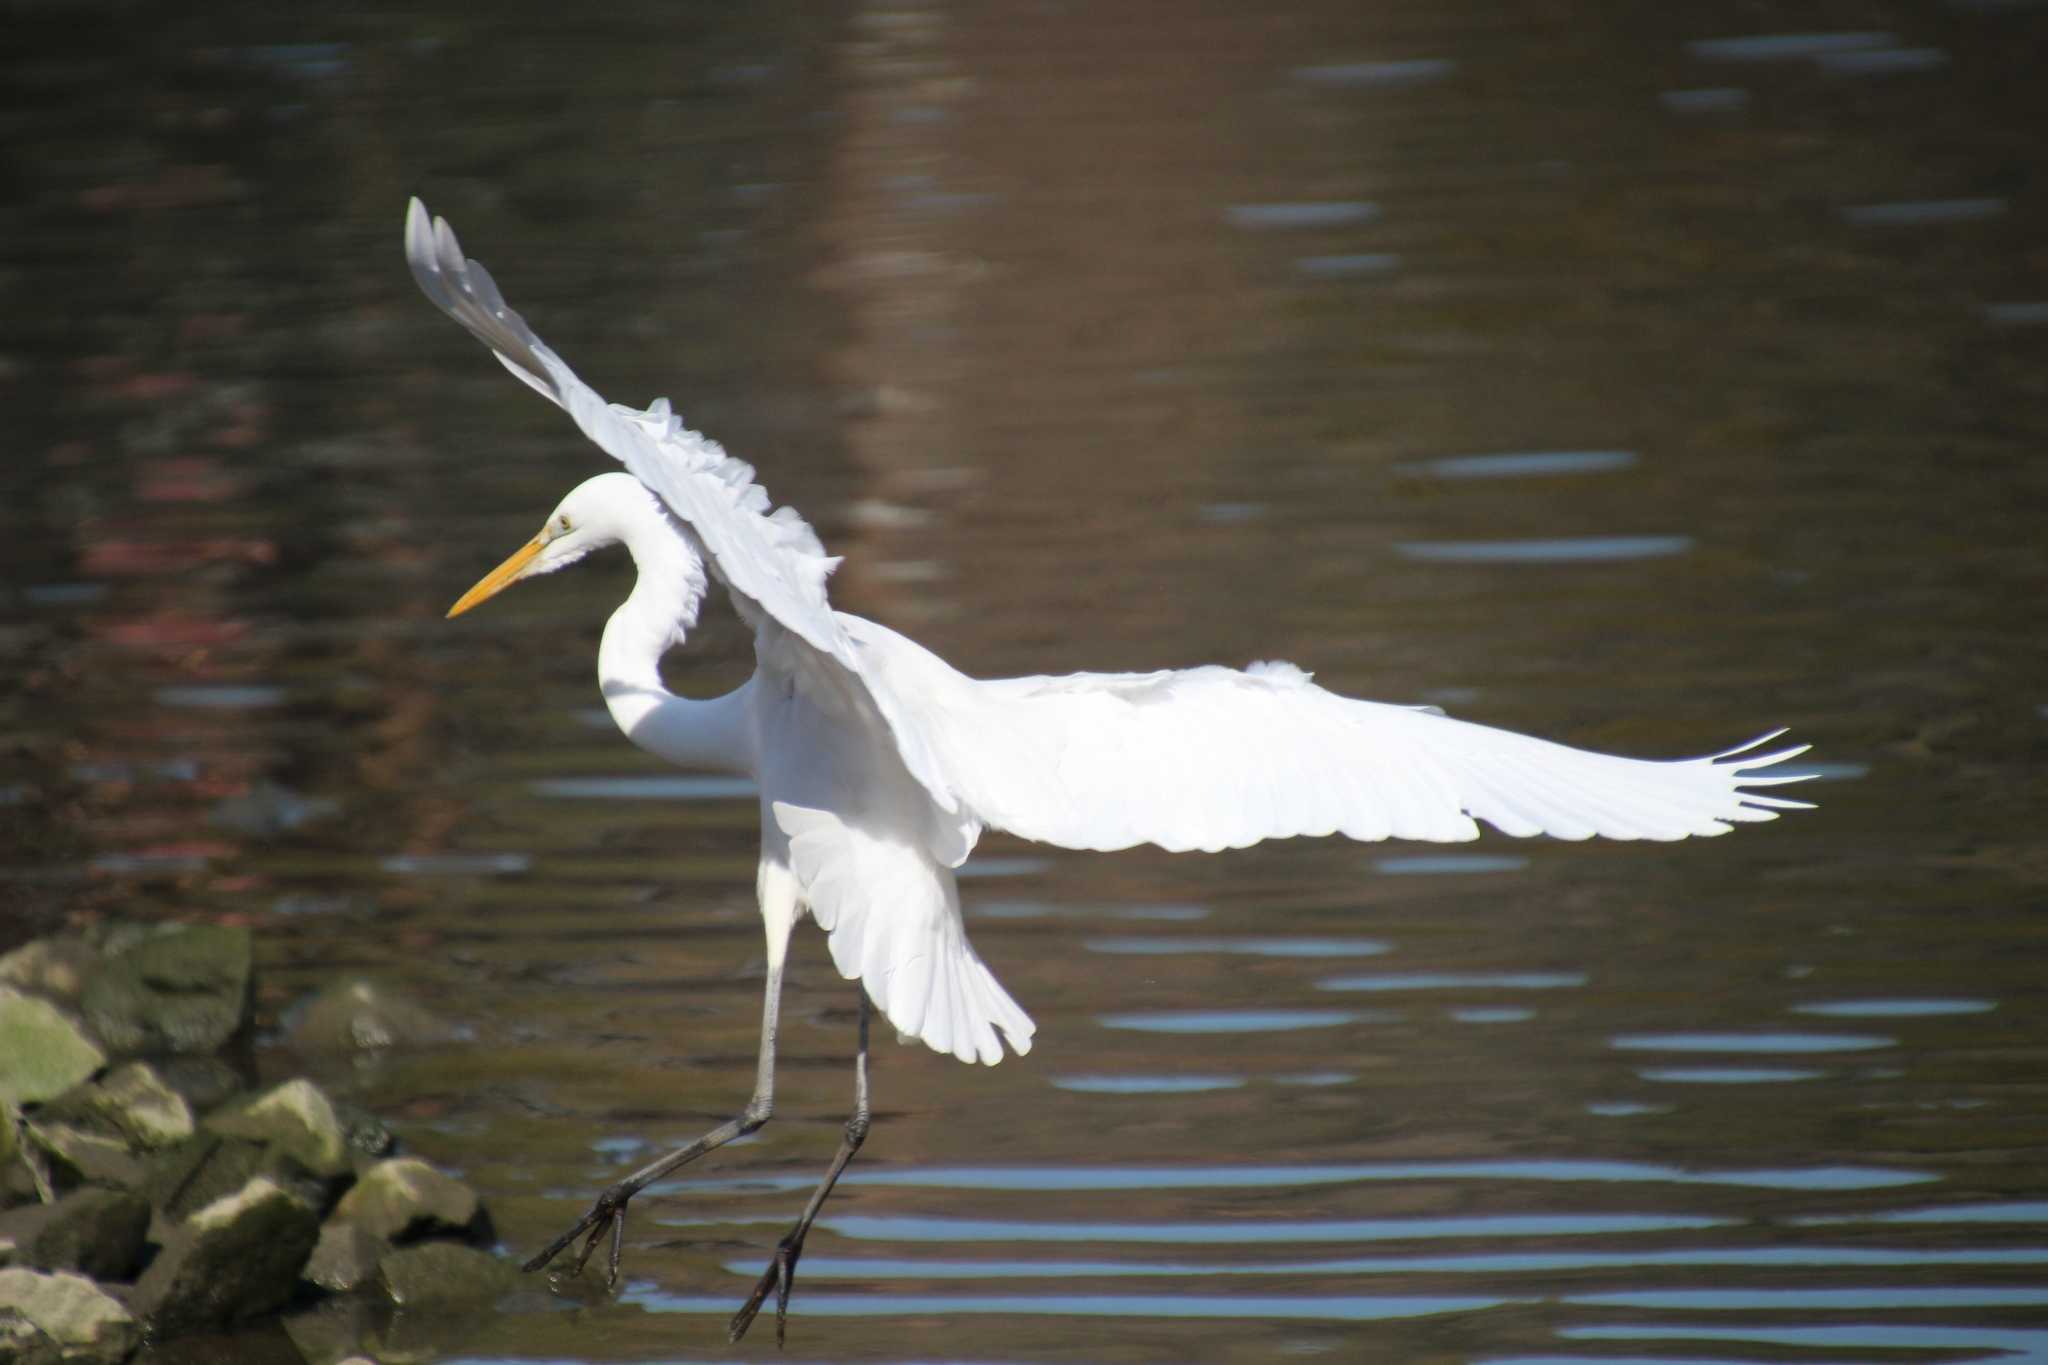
779,1277
607,1215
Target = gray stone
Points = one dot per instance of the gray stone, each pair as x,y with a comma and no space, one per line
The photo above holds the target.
182,990
444,1273
361,1016
297,1120
344,1259
94,1231
404,1197
234,1258
43,1051
69,1312
54,968
130,1103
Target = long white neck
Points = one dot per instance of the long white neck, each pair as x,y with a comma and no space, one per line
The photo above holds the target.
715,734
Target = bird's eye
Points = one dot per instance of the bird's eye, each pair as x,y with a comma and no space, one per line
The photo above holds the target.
562,524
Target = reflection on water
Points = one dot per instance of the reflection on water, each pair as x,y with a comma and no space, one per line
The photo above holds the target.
1643,380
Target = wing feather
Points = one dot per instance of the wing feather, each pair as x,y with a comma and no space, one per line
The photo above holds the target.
1213,758
769,558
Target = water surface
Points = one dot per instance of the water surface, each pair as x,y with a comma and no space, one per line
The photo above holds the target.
1641,378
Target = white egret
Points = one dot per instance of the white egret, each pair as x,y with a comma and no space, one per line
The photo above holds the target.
879,766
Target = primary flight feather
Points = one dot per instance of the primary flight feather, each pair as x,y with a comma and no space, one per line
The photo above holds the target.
878,764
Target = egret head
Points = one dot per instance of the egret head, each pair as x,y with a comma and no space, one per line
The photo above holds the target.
594,515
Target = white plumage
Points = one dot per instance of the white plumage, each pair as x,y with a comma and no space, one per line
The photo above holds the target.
879,764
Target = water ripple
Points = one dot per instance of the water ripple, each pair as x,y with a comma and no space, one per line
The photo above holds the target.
1822,1300
1416,71
1343,1308
2022,1211
1775,1043
1486,1263
1574,550
1241,1232
1251,947
1235,1021
1566,1170
1728,1075
1146,1085
1895,1009
1347,265
1522,464
1781,47
1448,864
1334,213
1455,981
655,787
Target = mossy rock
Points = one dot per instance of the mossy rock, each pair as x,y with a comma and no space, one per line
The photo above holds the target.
444,1274
43,1050
344,1259
233,1259
68,1318
54,968
183,990
296,1119
130,1103
404,1198
76,1156
213,1166
362,1016
95,1231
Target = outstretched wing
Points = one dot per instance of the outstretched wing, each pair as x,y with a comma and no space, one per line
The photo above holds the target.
771,556
1214,758
770,559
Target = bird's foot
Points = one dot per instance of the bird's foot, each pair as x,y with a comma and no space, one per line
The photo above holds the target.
606,1215
780,1277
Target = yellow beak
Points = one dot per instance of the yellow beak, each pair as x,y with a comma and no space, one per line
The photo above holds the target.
500,578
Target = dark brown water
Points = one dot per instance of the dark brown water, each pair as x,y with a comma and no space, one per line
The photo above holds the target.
1107,337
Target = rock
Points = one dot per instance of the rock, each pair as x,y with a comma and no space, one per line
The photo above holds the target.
404,1197
81,1321
344,1259
267,808
54,968
43,1051
182,990
74,1156
17,1178
360,1016
130,1103
94,1231
443,1273
235,1258
205,1082
297,1120
368,1138
211,1167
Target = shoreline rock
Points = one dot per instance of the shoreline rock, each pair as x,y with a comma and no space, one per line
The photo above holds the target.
143,1191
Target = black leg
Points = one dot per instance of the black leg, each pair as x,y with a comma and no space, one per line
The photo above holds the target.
608,1214
781,1273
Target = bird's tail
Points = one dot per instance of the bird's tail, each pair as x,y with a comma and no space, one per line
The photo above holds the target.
892,915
